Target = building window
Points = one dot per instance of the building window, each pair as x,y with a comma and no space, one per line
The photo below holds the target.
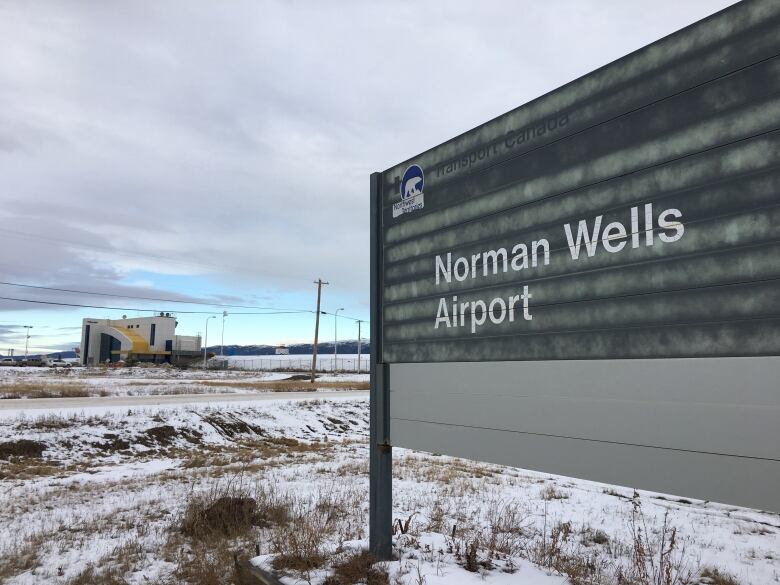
151,335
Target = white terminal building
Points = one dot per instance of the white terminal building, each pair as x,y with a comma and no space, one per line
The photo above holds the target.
145,339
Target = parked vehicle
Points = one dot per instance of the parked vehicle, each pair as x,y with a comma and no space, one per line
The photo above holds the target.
33,361
59,363
7,361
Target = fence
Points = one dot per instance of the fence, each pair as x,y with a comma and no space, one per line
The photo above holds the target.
303,364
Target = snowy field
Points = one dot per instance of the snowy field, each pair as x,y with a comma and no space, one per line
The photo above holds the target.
163,495
31,382
302,362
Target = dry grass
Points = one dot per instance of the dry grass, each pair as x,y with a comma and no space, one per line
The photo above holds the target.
19,470
713,576
288,385
238,514
551,493
214,563
220,524
25,389
111,568
444,471
359,567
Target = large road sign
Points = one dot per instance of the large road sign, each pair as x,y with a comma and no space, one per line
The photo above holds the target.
589,285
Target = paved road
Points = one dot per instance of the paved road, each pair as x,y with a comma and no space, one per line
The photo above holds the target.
109,401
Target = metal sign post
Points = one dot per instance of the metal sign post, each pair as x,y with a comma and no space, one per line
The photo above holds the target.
381,452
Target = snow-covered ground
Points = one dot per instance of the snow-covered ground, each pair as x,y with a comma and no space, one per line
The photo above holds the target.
109,493
32,382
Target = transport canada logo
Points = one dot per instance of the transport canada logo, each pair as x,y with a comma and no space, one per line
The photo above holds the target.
412,197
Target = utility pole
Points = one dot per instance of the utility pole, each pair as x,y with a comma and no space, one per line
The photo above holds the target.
359,347
319,284
222,343
27,339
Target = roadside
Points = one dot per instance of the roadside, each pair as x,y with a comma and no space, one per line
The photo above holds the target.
17,405
38,383
174,494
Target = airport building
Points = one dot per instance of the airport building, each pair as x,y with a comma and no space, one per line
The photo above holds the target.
143,339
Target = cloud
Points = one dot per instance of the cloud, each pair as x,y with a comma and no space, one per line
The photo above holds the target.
236,141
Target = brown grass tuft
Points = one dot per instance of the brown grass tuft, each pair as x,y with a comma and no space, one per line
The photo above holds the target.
715,577
358,568
219,516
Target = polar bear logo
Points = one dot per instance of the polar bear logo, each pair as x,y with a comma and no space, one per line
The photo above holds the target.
410,187
412,182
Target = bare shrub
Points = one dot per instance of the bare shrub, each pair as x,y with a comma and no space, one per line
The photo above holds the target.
470,560
358,567
273,506
225,510
94,576
560,551
51,422
301,545
111,568
589,537
508,527
22,448
655,560
551,493
212,563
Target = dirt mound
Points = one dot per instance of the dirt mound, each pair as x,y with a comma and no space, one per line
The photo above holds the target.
113,443
164,434
229,425
22,448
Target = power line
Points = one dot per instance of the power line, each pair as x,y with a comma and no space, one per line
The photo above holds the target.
79,305
140,298
83,306
278,310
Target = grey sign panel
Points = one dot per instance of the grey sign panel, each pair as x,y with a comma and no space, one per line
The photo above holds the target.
702,427
590,284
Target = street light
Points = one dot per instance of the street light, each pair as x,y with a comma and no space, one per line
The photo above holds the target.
206,341
336,337
27,339
222,343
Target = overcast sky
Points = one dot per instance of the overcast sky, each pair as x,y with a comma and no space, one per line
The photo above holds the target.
220,151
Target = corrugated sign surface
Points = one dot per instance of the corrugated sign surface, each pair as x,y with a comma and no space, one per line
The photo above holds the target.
631,213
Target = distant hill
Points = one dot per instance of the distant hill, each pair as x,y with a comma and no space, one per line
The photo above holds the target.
54,355
345,347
